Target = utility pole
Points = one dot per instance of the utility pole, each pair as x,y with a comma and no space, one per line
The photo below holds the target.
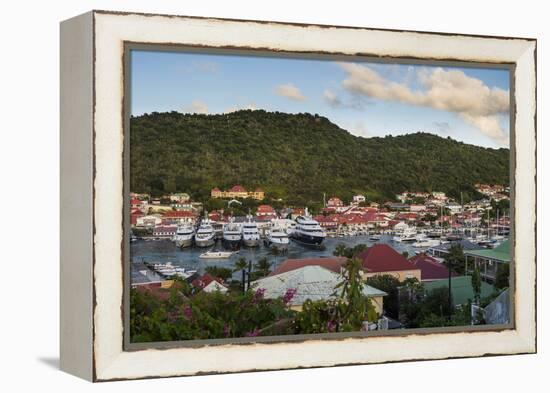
249,273
449,264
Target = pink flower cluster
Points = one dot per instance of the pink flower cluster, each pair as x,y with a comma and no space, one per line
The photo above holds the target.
258,295
289,295
188,312
254,333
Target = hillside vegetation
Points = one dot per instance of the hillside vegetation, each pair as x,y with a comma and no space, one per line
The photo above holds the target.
298,157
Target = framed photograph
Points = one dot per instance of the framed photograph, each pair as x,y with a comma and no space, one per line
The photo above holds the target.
248,195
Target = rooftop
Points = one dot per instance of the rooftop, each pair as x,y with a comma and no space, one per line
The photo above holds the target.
333,264
430,267
499,253
310,282
383,258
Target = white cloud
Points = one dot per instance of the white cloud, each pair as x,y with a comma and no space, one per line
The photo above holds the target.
289,91
197,106
332,99
452,91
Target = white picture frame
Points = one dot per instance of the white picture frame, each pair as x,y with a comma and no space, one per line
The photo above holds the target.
92,194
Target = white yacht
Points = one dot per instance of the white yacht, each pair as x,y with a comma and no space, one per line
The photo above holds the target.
308,231
407,235
232,235
205,236
277,237
251,234
285,224
184,236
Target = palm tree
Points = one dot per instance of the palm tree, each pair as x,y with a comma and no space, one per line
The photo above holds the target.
262,267
340,250
241,264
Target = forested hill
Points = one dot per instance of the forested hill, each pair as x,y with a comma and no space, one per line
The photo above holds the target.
297,157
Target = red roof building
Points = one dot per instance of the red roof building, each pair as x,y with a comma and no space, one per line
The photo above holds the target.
328,222
265,210
134,215
335,202
205,281
430,267
382,259
334,264
237,188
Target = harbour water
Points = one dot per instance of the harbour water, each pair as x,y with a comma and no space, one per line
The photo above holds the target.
163,251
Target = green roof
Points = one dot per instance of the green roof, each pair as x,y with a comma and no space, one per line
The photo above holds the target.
499,253
461,288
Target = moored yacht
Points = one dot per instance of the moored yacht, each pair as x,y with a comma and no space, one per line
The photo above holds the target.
205,236
232,235
308,231
251,235
184,236
407,235
277,237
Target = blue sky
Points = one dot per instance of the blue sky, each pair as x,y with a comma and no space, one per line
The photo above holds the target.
367,99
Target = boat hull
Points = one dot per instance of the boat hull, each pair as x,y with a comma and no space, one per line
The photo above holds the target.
251,242
204,242
183,243
307,239
231,244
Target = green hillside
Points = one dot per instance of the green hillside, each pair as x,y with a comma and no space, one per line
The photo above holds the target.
297,157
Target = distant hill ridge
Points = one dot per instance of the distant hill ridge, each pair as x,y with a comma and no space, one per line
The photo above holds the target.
298,157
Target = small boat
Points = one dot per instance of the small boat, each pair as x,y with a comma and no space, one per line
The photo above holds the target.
375,237
217,254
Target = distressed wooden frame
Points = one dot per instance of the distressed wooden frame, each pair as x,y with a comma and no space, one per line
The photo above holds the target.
92,197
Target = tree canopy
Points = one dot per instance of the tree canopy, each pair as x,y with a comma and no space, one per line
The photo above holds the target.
298,157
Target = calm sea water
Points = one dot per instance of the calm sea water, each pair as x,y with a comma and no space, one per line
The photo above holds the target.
162,251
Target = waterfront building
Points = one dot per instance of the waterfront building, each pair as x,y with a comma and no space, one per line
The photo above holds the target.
382,259
165,231
266,212
328,223
148,221
488,260
179,217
